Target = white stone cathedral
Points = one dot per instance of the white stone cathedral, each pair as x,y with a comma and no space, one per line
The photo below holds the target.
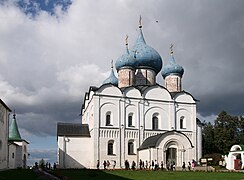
132,117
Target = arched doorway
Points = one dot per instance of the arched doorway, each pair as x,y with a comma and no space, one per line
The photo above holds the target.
171,153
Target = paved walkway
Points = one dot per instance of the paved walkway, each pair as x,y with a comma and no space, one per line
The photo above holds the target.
44,175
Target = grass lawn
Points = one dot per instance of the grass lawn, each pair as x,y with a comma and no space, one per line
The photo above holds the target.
17,174
162,175
124,174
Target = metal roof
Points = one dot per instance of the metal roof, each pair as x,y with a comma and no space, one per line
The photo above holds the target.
73,129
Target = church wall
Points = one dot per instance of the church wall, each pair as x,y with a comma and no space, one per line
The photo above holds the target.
131,110
109,135
199,142
12,159
157,93
4,119
132,92
109,106
184,112
72,152
161,111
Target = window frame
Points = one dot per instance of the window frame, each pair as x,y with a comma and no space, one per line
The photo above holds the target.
108,120
155,121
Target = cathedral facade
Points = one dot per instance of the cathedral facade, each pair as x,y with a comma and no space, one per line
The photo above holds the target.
132,117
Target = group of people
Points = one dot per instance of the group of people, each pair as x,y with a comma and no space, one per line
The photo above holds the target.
106,164
148,165
190,166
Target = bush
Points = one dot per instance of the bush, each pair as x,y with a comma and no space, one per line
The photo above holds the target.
216,158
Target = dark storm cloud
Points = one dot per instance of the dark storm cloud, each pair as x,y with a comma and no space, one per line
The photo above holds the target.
47,64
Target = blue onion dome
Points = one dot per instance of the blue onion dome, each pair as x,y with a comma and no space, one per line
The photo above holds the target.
112,79
126,60
146,56
172,68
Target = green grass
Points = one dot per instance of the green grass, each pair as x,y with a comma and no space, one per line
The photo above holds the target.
17,174
147,175
124,174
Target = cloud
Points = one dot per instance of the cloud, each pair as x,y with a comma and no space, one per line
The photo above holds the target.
49,61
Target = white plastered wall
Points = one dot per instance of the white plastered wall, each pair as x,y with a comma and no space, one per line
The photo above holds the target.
78,152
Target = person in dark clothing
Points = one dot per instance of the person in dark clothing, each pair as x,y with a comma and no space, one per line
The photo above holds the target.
184,166
140,164
133,166
105,164
98,164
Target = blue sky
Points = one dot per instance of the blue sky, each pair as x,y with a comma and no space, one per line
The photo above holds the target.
51,51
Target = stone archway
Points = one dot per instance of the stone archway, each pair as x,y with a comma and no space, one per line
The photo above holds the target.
171,153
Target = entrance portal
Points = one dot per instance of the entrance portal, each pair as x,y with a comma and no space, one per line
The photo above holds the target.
171,155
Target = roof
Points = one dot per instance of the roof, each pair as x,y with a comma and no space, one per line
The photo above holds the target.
151,141
112,79
14,134
5,105
73,129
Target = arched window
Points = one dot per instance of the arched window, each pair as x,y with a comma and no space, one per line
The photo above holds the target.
131,148
130,120
182,122
110,147
108,119
155,122
13,155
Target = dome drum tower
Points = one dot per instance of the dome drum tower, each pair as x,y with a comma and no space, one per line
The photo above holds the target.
126,77
145,77
172,74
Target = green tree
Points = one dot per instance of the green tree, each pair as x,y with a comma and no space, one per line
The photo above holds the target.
226,132
208,138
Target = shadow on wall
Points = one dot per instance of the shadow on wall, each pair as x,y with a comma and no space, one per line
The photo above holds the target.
66,161
88,174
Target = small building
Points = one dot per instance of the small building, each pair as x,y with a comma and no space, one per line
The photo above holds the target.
17,147
235,158
4,119
70,149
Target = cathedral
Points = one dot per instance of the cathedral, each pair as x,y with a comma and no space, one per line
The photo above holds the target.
132,117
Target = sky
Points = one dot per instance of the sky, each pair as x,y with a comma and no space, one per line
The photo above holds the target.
51,51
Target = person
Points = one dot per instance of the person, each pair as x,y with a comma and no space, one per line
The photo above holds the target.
114,164
168,165
133,166
189,166
156,165
193,165
127,165
98,164
184,166
152,164
140,164
108,164
36,165
54,166
105,164
162,165
174,166
146,164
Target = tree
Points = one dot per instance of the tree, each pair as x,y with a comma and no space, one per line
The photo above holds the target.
208,138
226,132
